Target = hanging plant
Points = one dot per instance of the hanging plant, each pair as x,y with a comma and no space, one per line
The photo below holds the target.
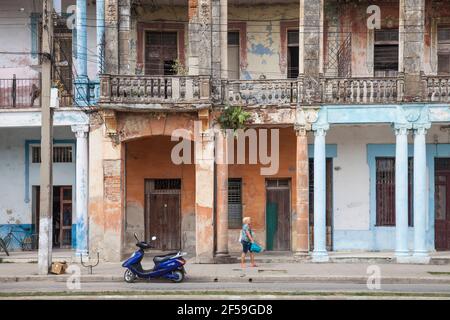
233,117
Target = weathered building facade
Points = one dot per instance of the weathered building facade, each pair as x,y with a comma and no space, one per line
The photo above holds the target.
20,120
355,92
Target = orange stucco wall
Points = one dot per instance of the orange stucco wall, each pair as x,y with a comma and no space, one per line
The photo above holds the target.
253,184
149,158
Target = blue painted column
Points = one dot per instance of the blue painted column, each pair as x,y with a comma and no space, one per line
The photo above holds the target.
320,229
81,189
100,9
401,191
82,81
420,193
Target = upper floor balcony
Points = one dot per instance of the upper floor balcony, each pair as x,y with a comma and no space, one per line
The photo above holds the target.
266,61
20,93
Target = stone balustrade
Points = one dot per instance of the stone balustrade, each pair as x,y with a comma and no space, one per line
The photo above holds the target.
143,90
437,88
132,89
260,92
362,90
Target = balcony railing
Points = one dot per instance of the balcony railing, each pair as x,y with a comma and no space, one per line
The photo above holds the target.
362,90
260,92
437,88
131,89
20,93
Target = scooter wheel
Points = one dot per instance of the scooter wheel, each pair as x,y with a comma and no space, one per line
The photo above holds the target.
129,276
178,276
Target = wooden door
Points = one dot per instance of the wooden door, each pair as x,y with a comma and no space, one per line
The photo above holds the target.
62,215
442,204
329,204
161,51
162,213
65,220
278,215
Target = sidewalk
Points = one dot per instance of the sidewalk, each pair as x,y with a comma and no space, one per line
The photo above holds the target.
265,272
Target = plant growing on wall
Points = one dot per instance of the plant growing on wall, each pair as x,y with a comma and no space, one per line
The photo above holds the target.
179,68
233,117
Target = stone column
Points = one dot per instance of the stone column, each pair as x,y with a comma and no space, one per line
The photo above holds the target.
100,8
200,37
411,45
420,194
222,196
320,229
301,223
111,36
224,39
204,196
401,191
310,37
81,193
81,82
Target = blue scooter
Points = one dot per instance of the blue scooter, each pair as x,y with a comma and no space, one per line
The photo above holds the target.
169,266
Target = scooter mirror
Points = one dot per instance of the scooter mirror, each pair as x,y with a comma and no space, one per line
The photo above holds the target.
153,238
136,237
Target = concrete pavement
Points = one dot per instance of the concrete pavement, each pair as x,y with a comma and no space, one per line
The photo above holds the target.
265,272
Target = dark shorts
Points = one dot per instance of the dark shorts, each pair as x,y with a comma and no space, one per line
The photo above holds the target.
246,246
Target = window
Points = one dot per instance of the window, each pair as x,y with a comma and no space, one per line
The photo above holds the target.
234,203
161,51
233,55
386,53
293,54
385,192
60,154
443,50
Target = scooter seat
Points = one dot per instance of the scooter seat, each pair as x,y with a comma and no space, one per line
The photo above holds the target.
159,259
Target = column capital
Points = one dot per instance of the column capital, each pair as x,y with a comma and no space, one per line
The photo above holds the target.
301,130
401,128
80,130
421,128
320,130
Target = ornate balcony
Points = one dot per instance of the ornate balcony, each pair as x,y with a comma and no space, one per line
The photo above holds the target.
135,91
158,92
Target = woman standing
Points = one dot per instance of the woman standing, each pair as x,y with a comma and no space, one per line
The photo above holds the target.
247,240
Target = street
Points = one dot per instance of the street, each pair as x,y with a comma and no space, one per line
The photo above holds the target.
227,290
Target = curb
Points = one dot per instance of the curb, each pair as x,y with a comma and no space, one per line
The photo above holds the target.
239,279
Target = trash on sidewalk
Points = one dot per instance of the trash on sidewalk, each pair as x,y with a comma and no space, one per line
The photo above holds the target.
58,267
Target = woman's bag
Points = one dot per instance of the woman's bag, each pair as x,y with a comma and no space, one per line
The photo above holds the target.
255,247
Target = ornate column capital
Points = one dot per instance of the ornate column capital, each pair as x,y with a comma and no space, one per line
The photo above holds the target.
401,128
80,130
321,130
421,128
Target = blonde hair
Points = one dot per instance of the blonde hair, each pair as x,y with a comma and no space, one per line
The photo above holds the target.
246,220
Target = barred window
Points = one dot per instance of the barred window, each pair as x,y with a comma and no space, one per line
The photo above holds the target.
234,203
385,192
60,154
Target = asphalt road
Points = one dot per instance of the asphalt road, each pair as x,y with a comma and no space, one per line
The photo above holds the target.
229,289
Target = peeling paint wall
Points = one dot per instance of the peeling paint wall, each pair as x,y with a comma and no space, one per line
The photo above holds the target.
14,207
19,35
263,36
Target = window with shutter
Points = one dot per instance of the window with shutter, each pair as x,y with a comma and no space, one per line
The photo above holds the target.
385,192
443,50
386,53
161,51
234,203
233,54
